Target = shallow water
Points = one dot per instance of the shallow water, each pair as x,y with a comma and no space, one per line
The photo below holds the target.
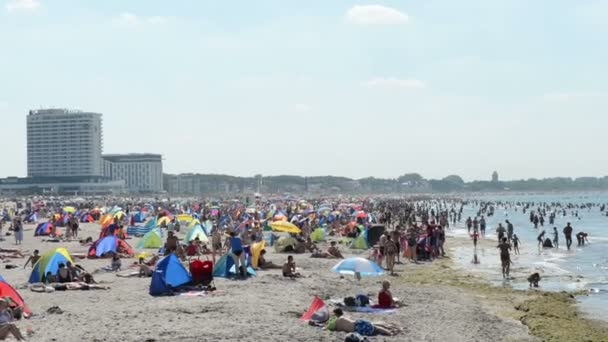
581,268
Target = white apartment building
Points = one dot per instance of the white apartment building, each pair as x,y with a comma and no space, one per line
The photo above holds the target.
64,143
141,172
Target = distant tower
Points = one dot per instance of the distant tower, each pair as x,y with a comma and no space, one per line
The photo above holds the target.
494,177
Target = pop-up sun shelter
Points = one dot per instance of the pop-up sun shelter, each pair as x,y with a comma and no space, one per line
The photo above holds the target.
107,245
151,239
168,275
6,290
43,229
49,262
196,232
224,268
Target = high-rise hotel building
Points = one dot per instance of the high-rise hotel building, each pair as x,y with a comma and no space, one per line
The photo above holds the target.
64,143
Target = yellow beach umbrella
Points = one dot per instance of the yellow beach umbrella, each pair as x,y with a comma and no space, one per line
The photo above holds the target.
285,227
69,210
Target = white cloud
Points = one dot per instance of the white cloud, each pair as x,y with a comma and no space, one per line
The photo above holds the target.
393,82
375,15
301,108
130,19
572,96
22,5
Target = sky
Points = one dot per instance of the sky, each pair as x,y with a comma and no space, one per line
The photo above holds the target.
317,87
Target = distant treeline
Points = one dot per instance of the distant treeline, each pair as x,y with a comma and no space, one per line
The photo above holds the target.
407,183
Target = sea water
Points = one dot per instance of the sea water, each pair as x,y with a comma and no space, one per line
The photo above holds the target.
583,268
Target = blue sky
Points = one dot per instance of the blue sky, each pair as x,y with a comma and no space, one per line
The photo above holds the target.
319,87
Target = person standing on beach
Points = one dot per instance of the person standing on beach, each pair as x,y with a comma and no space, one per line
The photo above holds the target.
505,257
509,230
469,224
390,249
482,226
568,234
555,237
515,244
18,230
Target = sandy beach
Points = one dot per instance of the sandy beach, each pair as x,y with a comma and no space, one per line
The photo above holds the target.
264,308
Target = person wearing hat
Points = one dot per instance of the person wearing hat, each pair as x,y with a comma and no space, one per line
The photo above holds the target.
6,327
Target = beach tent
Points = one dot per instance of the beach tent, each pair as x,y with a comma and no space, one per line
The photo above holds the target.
163,220
151,239
43,229
49,262
317,311
256,250
283,243
318,235
33,218
152,223
86,218
139,217
224,268
168,274
106,220
360,242
109,244
374,233
6,290
196,231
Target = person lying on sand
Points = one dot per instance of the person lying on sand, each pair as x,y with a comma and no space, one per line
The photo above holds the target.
289,268
73,286
266,265
334,251
6,327
146,268
316,253
361,327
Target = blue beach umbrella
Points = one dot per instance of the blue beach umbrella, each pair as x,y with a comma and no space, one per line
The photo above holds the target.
364,267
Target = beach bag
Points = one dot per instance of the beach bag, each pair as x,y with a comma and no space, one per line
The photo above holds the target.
362,300
350,301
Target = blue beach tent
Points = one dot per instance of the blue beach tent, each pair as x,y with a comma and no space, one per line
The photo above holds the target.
169,274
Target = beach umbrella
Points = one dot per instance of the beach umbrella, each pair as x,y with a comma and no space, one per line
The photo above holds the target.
361,266
285,227
163,220
69,210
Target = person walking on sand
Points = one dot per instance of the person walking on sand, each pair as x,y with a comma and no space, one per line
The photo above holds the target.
505,257
390,248
568,234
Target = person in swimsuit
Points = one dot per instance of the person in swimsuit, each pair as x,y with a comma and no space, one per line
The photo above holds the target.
33,259
385,297
505,258
6,327
236,247
515,244
289,269
541,239
568,234
361,327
